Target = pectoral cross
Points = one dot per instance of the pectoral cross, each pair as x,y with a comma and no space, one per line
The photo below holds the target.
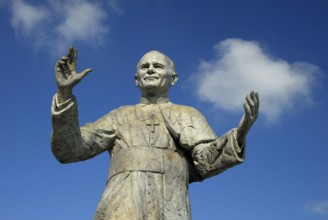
152,124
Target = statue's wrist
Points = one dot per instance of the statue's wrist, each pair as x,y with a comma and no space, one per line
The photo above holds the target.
240,136
64,94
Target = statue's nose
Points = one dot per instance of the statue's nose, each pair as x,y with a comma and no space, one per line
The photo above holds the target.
151,70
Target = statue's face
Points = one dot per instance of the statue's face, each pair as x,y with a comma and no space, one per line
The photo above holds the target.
154,75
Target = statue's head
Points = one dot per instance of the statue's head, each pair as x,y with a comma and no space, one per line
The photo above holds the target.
155,74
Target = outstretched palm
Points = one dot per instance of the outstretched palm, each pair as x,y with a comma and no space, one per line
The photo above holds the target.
66,75
251,107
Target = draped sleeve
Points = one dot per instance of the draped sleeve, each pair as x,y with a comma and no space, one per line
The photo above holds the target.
69,142
209,155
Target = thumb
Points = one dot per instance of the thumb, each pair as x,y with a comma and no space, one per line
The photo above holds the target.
84,73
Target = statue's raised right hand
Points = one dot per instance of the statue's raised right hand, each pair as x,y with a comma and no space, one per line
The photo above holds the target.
66,75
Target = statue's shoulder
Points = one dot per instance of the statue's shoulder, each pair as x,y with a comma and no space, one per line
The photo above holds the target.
119,114
183,109
126,108
122,110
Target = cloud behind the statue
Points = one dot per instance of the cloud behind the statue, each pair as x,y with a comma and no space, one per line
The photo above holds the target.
317,207
242,66
55,25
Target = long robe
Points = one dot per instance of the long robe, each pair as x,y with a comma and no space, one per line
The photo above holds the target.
156,150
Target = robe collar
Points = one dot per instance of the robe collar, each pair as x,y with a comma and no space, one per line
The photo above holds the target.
160,100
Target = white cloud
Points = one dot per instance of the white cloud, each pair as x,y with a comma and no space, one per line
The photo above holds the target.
319,207
115,6
242,66
83,21
25,17
55,25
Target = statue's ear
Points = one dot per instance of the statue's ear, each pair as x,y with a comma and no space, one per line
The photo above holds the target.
136,80
174,78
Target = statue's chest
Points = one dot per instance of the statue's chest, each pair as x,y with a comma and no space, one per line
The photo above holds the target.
145,126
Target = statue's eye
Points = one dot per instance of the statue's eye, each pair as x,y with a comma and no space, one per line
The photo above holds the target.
159,66
144,66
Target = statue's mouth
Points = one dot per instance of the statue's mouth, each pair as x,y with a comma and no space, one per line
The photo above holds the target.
151,78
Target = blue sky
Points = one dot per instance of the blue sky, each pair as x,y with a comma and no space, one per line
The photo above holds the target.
222,50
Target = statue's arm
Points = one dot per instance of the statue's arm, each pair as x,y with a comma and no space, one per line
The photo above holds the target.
213,157
209,155
69,142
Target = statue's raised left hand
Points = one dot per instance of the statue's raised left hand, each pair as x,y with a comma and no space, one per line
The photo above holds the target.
251,107
66,75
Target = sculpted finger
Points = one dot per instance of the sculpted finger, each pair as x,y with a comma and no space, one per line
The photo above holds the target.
59,66
248,112
250,99
61,63
64,58
70,52
257,98
58,71
59,76
245,122
84,73
254,97
74,56
257,102
251,104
